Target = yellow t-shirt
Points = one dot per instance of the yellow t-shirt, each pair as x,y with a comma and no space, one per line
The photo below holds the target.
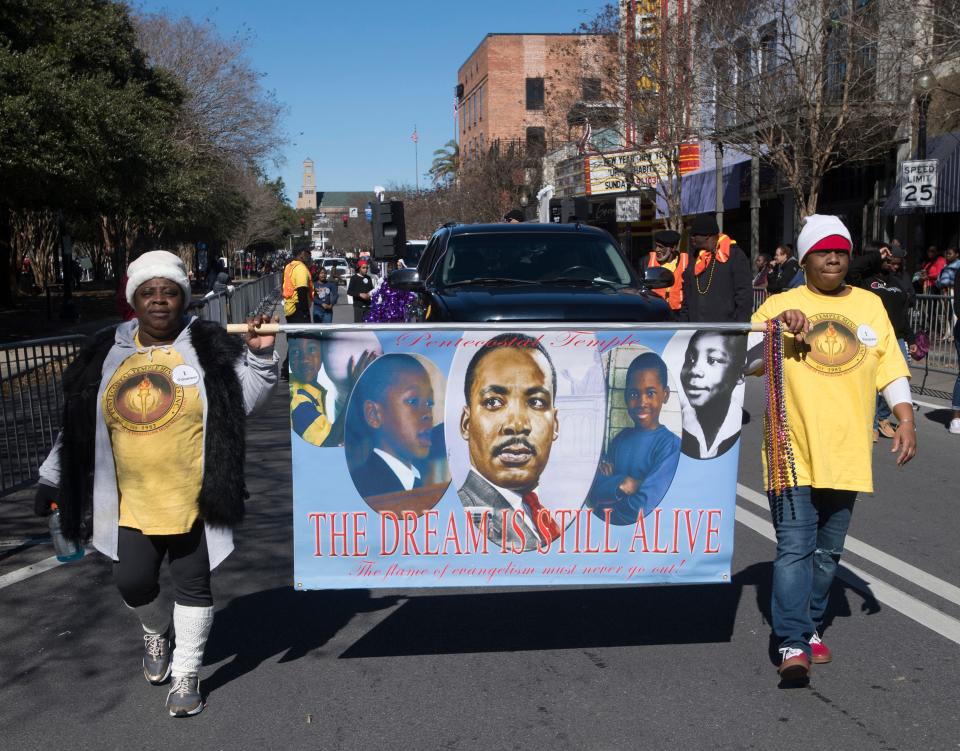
299,276
831,388
154,414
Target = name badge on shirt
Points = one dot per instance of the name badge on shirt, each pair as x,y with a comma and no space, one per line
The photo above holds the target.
867,335
185,375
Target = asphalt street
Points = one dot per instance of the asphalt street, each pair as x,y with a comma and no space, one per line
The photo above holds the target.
600,669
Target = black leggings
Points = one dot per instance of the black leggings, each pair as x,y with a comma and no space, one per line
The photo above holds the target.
137,569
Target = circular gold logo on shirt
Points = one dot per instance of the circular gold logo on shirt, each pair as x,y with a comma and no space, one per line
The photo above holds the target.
144,399
832,344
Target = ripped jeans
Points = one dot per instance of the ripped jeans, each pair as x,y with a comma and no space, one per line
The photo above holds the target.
811,525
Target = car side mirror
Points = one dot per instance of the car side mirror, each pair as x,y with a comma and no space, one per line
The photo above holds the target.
406,280
657,277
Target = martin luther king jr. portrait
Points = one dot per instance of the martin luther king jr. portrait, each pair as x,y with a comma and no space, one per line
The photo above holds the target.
509,421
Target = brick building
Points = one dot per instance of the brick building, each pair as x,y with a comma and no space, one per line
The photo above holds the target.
530,89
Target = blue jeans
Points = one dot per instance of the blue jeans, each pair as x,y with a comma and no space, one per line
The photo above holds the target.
883,409
322,316
811,526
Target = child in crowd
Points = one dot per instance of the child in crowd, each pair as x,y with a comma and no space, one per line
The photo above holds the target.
642,460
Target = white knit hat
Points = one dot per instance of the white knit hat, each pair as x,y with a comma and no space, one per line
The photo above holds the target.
823,232
157,263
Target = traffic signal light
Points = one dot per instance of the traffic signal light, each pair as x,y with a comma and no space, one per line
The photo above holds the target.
345,218
389,230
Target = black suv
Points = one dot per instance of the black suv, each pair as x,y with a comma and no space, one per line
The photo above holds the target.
529,272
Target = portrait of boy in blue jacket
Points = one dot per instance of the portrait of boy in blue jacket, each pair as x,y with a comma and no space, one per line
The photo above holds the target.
641,461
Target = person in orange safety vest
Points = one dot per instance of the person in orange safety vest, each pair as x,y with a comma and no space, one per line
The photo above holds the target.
666,254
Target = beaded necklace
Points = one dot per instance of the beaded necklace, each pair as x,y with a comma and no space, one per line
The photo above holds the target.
781,467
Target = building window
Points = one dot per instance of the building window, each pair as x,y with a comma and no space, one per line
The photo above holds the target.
768,49
536,141
591,90
480,104
534,93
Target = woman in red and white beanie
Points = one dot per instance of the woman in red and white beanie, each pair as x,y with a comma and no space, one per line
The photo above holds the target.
839,350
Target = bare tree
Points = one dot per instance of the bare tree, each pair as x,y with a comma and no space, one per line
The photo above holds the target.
809,85
229,115
263,218
641,128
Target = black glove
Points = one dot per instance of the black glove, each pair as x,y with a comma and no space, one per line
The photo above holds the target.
46,494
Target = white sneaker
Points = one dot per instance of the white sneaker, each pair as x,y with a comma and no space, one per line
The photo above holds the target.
955,425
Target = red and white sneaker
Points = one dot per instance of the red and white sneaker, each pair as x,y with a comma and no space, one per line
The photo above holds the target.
821,652
794,665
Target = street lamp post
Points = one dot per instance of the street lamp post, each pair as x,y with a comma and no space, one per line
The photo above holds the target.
923,86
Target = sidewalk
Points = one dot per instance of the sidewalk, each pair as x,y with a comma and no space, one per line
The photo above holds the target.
31,319
932,385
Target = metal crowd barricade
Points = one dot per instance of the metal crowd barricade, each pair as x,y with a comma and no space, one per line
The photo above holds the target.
247,299
31,405
759,295
252,298
934,315
31,372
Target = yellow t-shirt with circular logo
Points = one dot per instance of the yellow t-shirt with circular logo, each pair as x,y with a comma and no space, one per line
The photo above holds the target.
831,383
154,415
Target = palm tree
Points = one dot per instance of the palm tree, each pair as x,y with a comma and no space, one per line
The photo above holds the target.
446,162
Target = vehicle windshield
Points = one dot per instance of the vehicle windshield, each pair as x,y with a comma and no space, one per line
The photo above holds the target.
544,258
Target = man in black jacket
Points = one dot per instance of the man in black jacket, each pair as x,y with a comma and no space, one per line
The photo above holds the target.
717,286
784,269
878,270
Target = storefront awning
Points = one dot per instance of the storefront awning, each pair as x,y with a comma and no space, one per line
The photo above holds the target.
698,192
946,149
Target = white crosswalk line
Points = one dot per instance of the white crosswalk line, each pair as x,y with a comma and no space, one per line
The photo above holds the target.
933,619
894,565
14,577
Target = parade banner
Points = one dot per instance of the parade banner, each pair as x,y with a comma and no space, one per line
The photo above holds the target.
519,456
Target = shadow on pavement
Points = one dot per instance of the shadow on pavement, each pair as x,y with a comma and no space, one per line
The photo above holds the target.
941,416
577,619
255,627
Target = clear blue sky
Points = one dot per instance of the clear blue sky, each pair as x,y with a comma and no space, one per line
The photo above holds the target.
357,76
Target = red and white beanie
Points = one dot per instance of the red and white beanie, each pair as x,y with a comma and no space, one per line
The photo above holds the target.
823,232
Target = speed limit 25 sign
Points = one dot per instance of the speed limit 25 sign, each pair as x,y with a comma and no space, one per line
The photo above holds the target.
918,183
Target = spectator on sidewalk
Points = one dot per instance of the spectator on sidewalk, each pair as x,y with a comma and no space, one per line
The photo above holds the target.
930,269
878,270
155,413
716,283
946,282
325,297
784,269
361,290
763,266
839,349
221,281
